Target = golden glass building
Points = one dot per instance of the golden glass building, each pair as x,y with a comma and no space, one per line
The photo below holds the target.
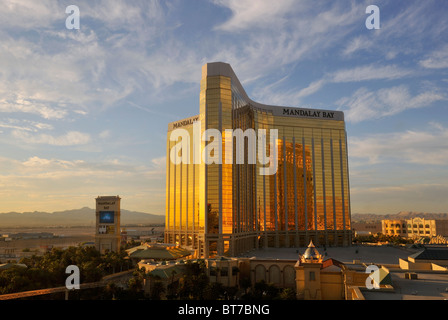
229,207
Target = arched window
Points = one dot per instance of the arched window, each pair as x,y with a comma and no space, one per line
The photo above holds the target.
289,276
274,275
260,273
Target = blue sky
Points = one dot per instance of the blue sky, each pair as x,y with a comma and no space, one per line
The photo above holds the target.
85,112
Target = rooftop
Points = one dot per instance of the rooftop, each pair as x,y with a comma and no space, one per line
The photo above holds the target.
440,253
428,286
158,252
365,254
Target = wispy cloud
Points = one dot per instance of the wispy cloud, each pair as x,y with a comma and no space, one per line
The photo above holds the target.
69,139
437,59
38,182
262,14
23,124
299,31
369,72
365,104
273,93
406,28
428,147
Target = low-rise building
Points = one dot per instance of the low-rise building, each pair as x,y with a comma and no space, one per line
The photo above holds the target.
366,228
361,273
310,277
159,252
415,227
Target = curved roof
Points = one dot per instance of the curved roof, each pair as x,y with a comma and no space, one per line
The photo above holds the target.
157,252
224,69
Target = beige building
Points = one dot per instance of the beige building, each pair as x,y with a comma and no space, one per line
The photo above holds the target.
311,277
363,228
107,231
415,227
420,273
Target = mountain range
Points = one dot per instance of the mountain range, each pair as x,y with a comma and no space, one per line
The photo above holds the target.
373,217
86,217
76,217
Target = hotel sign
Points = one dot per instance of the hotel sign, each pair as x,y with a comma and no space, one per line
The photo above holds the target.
182,123
309,113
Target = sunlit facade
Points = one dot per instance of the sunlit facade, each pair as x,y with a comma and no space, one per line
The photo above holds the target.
227,209
415,227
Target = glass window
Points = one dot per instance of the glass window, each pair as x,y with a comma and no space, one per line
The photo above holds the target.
224,271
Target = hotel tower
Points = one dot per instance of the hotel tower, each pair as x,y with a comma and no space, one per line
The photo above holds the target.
224,200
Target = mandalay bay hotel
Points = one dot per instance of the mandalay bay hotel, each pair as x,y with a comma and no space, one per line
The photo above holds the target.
243,175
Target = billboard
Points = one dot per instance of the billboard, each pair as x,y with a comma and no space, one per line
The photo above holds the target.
107,216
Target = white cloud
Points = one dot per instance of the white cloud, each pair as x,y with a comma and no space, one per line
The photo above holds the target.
357,44
405,31
159,162
273,94
247,14
69,139
437,59
104,134
23,105
278,38
45,183
23,14
36,162
418,147
58,71
370,72
365,104
27,125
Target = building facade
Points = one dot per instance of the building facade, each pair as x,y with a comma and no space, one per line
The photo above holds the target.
415,227
242,175
363,228
108,232
310,276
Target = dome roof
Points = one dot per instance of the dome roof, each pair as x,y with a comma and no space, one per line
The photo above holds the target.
311,253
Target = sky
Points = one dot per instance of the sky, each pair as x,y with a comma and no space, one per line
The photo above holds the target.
84,112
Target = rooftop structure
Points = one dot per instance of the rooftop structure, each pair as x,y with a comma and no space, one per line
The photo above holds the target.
158,252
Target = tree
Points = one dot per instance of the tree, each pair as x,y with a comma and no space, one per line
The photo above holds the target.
262,291
288,294
214,291
157,290
194,281
135,285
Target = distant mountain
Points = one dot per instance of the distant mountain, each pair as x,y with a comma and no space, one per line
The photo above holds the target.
371,217
77,217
